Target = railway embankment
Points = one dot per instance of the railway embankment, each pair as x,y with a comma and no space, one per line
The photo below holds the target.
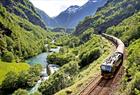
101,86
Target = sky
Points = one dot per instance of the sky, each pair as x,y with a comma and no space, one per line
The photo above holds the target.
53,7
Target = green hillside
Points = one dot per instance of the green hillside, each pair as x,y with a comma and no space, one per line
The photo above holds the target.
23,35
120,18
19,40
77,65
129,31
19,36
112,13
23,9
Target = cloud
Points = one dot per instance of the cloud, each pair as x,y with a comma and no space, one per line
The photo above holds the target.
54,7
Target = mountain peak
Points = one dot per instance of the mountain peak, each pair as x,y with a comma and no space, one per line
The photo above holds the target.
72,9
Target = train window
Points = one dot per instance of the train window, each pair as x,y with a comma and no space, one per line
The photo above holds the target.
103,67
106,68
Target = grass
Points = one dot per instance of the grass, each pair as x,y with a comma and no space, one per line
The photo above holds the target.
87,73
7,67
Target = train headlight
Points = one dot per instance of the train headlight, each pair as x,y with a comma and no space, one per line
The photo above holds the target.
103,68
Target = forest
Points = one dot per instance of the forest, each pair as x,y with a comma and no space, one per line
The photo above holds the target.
80,56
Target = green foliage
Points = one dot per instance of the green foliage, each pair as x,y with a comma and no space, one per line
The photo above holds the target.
137,92
89,56
132,78
23,9
7,56
9,84
87,35
60,79
33,75
87,53
128,30
137,84
3,43
36,93
35,69
57,58
90,51
21,37
12,67
68,40
73,42
20,92
24,79
66,75
114,12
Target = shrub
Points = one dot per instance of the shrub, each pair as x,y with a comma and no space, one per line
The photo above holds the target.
137,83
8,56
60,79
10,82
89,56
36,93
25,79
58,59
20,92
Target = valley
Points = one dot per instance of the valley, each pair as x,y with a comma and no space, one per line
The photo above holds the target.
69,54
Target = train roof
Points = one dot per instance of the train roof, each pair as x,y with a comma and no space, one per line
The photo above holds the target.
112,59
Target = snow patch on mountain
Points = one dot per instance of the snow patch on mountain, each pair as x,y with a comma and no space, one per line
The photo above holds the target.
94,1
72,9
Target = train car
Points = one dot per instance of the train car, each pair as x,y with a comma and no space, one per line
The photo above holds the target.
111,64
109,67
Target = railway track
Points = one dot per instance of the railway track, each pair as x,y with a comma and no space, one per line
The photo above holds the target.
101,86
91,85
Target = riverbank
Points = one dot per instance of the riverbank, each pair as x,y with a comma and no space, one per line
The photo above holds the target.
42,59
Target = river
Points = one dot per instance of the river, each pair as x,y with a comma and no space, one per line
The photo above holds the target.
41,59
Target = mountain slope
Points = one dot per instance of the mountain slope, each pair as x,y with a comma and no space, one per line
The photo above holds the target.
19,37
121,18
24,9
72,15
127,30
111,14
72,18
65,17
48,20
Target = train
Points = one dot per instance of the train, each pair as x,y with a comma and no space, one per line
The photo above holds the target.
113,62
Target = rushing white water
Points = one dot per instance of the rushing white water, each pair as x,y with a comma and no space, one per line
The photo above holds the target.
55,49
43,78
42,59
35,88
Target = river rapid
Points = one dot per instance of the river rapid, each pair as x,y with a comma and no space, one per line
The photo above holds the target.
41,59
